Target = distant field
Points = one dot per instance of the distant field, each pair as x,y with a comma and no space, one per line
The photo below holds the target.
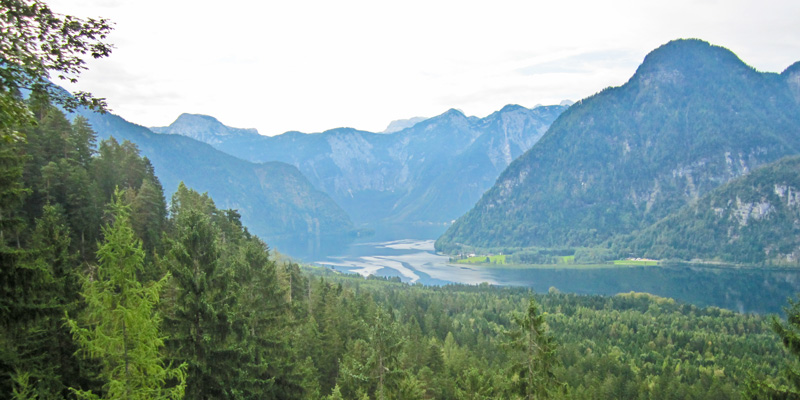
500,259
548,266
567,262
646,263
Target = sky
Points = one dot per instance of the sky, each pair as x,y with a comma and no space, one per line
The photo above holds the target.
316,65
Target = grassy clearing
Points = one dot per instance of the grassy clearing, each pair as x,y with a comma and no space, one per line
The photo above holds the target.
499,260
566,260
638,263
545,266
560,262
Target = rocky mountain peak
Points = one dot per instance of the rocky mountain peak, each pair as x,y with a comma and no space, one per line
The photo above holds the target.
400,124
683,59
453,114
201,127
511,108
792,76
792,70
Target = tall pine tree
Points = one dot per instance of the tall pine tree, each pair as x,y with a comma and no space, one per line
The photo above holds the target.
199,321
120,326
533,352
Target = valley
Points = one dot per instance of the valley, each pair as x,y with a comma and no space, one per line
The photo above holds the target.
414,261
425,173
642,243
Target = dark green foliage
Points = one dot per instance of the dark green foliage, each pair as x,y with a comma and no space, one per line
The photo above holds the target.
149,213
692,118
38,250
626,346
269,367
118,166
533,360
229,307
52,257
41,285
12,187
198,325
46,244
788,384
82,142
371,365
57,172
120,325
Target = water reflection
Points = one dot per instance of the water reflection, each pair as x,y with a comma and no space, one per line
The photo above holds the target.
743,290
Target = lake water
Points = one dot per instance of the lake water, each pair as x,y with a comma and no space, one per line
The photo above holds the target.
413,260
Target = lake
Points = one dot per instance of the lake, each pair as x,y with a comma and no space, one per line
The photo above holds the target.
413,260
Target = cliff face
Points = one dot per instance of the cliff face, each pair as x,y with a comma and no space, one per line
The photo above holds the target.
752,219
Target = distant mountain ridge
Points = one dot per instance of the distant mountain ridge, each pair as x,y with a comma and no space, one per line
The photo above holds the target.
203,128
431,172
692,118
275,200
400,124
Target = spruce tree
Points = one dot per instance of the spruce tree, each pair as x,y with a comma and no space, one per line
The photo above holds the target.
149,214
269,367
533,353
82,141
37,350
789,333
199,321
371,366
120,326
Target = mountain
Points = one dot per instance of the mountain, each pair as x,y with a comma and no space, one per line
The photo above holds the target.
400,124
203,128
431,172
275,200
751,219
691,118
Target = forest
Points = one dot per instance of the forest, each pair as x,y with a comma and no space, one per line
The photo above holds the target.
110,291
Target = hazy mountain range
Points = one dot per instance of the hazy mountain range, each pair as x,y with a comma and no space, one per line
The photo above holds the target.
275,200
430,172
400,124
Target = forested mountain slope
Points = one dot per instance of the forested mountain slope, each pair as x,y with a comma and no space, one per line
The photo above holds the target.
752,219
275,200
692,117
431,172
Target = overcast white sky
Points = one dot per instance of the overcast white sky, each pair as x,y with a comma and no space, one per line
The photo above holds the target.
316,65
